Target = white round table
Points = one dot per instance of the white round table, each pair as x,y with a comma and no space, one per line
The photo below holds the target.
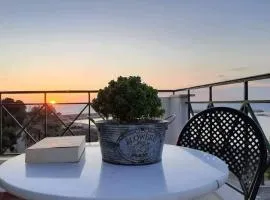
183,173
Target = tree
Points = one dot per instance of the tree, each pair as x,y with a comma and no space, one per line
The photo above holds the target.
9,126
37,126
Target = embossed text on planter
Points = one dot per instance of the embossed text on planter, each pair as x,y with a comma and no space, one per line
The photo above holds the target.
140,145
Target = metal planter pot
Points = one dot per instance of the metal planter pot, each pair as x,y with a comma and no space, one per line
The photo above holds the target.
132,144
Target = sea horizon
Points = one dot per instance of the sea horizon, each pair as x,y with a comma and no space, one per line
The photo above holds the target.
262,112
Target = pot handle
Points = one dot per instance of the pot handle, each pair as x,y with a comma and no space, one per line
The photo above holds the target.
92,120
171,118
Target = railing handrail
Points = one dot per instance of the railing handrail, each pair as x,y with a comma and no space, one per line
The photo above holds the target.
220,83
47,91
228,82
60,91
245,107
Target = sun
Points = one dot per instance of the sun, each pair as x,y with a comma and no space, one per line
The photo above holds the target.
52,102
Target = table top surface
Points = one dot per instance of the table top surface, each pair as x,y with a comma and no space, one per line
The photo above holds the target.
183,173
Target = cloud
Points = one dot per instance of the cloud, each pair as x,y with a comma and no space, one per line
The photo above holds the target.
221,76
237,69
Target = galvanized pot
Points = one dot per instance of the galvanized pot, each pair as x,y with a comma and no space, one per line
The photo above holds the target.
132,144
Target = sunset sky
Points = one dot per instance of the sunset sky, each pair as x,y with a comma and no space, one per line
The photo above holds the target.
76,44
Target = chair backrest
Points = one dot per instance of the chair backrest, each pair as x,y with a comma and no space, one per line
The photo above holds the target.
233,137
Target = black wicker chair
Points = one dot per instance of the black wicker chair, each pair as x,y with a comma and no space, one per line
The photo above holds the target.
233,137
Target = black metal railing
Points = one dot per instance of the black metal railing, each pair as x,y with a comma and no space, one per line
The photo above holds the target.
45,105
245,102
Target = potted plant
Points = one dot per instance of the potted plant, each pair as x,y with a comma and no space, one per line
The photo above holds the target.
132,133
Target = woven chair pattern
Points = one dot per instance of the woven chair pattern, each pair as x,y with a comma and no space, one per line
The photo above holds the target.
233,137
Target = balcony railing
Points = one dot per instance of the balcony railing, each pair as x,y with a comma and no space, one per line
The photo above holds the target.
45,106
245,102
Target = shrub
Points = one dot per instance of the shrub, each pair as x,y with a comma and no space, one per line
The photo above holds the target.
128,100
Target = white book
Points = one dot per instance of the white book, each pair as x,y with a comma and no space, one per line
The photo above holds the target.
56,149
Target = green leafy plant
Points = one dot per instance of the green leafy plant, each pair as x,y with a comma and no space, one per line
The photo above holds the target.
128,100
10,128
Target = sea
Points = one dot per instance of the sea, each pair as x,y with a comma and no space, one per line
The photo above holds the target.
262,112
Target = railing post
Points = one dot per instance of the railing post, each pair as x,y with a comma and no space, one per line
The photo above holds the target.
246,90
89,115
210,94
1,124
188,100
245,110
210,105
46,113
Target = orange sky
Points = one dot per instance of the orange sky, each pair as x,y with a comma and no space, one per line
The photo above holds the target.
82,45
